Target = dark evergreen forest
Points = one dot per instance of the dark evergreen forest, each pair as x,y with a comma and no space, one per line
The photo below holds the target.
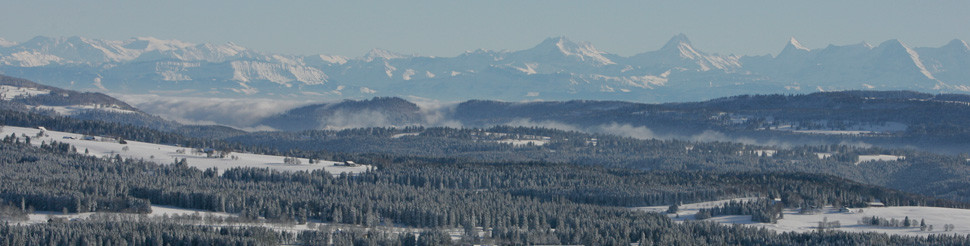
519,203
576,188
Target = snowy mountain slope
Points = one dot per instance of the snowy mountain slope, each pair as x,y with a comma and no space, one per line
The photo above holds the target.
948,63
555,69
6,43
680,54
560,50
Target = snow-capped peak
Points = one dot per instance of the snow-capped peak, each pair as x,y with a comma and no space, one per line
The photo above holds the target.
677,41
376,54
234,46
333,59
6,43
794,49
680,45
678,53
894,45
796,45
584,51
152,44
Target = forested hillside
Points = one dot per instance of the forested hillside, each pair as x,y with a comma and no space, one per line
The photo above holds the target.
516,203
920,172
494,185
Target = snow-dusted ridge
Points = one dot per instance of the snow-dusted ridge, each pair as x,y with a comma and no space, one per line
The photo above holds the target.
8,92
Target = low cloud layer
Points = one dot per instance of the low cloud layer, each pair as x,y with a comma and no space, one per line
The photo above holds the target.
642,132
236,112
544,124
436,113
245,113
627,130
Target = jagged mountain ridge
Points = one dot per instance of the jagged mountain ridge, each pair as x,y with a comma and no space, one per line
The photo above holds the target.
555,69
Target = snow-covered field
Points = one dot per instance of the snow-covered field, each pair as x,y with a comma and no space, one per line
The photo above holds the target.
519,142
833,132
765,152
166,154
43,216
10,92
400,135
938,217
868,158
687,211
159,211
795,222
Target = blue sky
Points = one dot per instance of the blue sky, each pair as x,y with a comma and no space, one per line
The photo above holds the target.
447,28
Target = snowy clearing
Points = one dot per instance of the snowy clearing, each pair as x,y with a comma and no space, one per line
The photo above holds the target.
400,135
43,216
11,92
168,211
231,220
166,154
833,132
795,222
687,211
868,158
519,142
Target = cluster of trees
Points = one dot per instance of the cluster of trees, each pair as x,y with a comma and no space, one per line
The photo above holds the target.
891,222
765,211
329,236
825,224
906,222
292,161
10,212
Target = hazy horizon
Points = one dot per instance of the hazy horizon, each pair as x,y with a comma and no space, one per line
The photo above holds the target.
443,28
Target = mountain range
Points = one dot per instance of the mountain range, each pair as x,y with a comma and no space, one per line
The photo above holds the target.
555,69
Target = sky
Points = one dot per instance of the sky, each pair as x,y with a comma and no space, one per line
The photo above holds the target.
448,28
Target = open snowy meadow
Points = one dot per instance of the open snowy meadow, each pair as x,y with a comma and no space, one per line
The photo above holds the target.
166,154
793,221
